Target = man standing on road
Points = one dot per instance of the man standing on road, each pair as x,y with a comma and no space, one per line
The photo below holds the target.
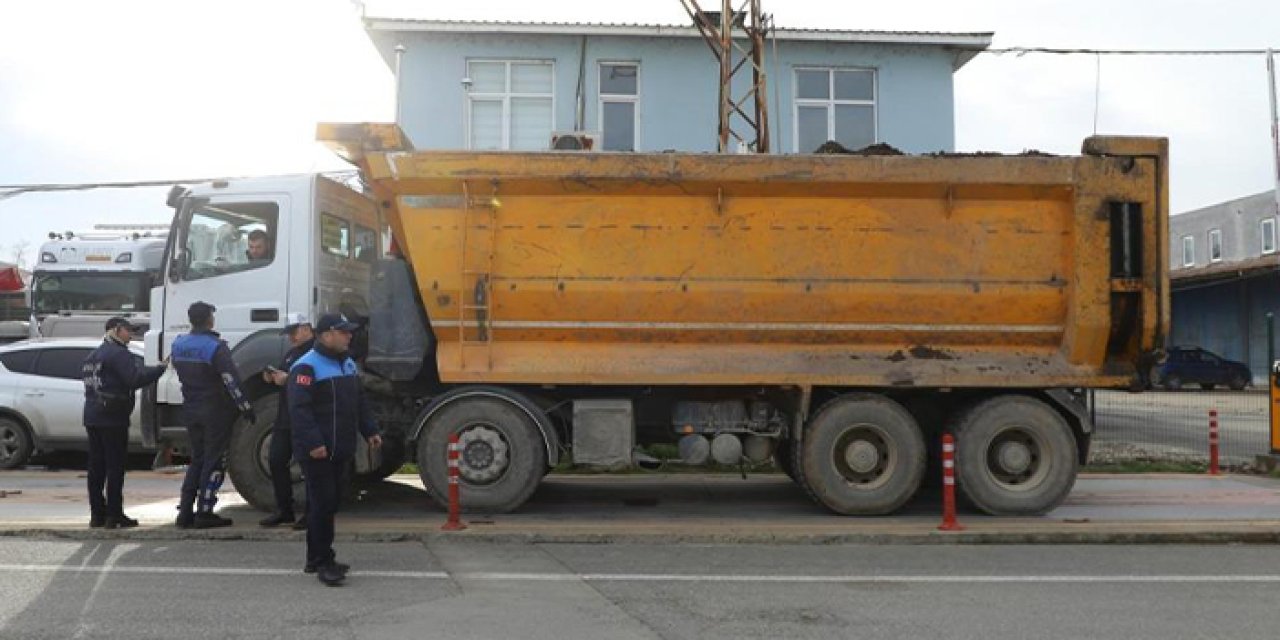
328,408
211,399
301,339
111,376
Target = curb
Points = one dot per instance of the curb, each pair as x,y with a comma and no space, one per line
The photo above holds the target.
1215,534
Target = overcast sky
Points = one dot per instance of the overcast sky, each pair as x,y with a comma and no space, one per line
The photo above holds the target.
96,91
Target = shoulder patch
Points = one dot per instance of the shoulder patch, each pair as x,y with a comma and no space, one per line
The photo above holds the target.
304,380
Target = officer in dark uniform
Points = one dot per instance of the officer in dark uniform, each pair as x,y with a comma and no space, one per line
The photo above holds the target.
111,376
328,408
211,399
301,338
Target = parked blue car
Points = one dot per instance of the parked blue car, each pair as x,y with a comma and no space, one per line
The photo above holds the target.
1193,365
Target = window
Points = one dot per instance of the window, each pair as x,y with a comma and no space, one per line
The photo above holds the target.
366,244
223,238
619,98
834,104
19,361
1188,251
89,291
1215,245
62,363
335,236
510,104
1268,233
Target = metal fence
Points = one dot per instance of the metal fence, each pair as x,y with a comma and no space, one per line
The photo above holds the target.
1173,426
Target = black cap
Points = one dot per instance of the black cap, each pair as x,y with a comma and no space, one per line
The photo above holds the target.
335,322
199,313
117,321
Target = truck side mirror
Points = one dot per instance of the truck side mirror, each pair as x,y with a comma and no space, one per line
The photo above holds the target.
178,266
176,193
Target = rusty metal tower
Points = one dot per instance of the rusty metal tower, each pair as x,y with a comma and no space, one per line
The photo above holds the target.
717,29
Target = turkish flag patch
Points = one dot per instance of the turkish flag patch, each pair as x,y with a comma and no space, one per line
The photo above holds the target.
304,380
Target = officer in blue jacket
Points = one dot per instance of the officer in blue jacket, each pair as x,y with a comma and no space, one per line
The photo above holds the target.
300,336
328,409
211,400
111,376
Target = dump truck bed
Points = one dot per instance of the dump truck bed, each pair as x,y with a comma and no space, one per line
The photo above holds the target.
886,271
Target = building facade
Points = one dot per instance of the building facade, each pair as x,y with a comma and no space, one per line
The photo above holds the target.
1225,276
654,88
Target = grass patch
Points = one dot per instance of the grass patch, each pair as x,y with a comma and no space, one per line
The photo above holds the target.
408,468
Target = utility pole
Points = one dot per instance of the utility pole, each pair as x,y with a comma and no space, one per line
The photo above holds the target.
717,30
1275,124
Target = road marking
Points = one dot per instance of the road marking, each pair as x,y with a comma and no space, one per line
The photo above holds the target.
667,577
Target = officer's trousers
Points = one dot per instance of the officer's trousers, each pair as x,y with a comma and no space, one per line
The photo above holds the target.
208,439
108,448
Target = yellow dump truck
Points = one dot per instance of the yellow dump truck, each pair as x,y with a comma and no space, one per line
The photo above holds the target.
835,313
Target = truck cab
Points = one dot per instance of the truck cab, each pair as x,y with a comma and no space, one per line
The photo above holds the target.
258,249
82,279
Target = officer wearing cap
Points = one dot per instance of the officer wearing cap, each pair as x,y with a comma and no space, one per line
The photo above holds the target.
301,340
111,376
328,409
211,399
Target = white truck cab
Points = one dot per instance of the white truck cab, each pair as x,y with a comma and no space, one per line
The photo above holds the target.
314,242
80,280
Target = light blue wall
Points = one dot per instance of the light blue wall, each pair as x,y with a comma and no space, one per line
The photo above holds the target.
677,110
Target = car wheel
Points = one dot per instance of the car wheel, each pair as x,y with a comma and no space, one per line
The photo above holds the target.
16,444
1238,382
1172,383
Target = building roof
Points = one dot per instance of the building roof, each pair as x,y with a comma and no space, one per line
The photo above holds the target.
1182,277
967,44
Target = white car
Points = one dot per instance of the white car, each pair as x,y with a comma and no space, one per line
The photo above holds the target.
42,398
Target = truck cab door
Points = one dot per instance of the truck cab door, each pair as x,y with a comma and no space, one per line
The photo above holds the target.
231,251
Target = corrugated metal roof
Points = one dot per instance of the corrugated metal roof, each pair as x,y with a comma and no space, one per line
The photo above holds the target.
646,25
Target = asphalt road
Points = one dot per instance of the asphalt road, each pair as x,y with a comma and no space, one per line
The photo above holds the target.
238,589
1175,425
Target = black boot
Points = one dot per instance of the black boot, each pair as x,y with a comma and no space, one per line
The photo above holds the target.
209,520
276,519
120,522
330,574
97,521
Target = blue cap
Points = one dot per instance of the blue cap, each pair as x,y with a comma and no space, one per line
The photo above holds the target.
335,322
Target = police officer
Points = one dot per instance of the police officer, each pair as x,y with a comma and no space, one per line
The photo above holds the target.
301,339
111,376
328,408
211,399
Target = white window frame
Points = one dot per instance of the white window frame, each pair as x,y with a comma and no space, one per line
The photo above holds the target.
1188,250
603,98
472,96
1264,235
1215,242
830,102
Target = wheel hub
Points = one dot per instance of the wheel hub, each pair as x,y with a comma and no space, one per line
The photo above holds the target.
8,443
484,455
1014,457
861,456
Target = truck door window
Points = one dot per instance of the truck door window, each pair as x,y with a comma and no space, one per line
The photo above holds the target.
224,238
335,236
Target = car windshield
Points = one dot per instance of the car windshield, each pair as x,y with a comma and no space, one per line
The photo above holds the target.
54,292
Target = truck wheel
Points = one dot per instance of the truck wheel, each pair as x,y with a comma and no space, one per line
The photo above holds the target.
502,460
862,454
247,460
1014,456
16,444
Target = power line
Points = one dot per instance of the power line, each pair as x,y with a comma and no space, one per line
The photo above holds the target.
12,190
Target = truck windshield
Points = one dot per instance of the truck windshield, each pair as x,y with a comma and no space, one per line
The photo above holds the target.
54,292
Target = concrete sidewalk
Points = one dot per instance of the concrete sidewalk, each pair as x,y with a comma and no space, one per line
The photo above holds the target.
687,508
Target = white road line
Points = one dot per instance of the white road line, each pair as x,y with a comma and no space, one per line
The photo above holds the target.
671,577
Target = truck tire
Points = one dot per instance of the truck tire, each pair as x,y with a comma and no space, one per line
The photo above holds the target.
862,454
16,445
247,460
1015,455
502,460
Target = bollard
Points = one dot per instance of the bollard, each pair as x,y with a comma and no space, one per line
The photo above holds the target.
454,522
1213,443
949,485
